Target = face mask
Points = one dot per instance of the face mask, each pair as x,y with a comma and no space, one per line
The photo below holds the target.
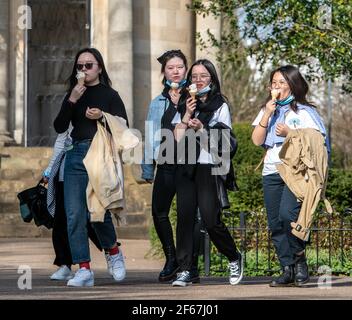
203,91
180,84
285,102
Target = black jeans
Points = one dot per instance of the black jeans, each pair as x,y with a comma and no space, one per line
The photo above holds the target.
282,208
164,190
200,192
59,234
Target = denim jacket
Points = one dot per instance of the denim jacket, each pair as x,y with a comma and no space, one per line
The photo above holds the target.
152,135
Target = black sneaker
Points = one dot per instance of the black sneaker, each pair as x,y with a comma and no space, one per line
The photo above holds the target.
183,279
286,279
301,271
236,270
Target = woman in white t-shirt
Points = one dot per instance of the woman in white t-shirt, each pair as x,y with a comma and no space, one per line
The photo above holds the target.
196,184
286,109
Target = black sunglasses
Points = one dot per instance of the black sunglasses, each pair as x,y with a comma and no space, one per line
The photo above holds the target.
88,65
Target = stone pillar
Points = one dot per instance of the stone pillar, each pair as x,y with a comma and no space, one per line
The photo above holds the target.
214,26
4,39
100,27
17,76
158,26
112,36
120,54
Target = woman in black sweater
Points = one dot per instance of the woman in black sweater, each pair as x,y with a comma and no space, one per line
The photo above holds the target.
83,106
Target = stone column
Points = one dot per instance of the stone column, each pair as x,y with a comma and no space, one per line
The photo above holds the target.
17,76
100,27
112,36
120,54
4,39
158,26
214,26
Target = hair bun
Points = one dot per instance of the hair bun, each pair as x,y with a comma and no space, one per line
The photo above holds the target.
168,53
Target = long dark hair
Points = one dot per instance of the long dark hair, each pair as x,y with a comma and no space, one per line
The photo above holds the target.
298,85
168,55
103,77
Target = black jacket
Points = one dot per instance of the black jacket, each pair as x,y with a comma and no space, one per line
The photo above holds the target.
226,142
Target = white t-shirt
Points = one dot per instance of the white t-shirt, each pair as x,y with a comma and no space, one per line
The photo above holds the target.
220,115
293,120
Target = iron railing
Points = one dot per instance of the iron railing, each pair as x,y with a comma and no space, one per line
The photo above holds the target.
323,239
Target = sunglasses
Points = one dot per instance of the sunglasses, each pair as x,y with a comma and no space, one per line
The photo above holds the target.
88,65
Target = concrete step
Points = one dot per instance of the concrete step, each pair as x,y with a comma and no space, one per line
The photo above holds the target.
132,232
24,163
136,218
15,185
22,152
19,174
12,225
9,207
8,197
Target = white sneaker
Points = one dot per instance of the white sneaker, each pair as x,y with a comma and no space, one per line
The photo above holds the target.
118,268
108,262
83,278
183,279
63,273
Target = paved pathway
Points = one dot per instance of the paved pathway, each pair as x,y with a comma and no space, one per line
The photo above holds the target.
141,281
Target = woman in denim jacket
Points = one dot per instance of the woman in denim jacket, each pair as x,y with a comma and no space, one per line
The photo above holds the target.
159,134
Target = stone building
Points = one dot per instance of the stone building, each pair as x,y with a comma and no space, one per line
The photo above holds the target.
38,41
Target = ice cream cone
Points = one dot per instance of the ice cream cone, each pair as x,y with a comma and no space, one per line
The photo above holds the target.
192,90
275,94
80,76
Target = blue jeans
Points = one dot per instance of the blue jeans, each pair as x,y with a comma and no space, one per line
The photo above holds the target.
282,208
75,185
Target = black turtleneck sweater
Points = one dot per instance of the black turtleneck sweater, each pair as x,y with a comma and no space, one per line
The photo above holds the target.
98,96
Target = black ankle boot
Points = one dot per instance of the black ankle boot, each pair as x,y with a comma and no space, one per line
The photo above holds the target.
287,278
171,267
301,270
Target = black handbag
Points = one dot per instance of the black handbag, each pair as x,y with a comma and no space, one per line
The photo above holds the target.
33,206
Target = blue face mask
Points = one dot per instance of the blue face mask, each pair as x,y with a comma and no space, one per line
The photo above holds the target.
284,102
203,91
180,84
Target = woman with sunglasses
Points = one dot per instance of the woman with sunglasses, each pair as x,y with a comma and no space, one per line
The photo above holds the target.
83,106
162,110
196,185
286,108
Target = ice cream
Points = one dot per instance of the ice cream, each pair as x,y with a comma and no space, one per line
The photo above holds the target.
275,94
174,86
192,90
80,77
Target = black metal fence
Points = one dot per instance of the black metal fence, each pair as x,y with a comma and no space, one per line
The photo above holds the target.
330,241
